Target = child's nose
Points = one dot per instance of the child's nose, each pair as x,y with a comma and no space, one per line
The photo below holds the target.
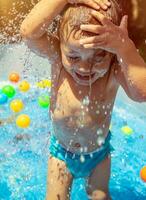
85,66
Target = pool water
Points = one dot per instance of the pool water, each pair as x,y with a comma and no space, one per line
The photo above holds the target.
23,161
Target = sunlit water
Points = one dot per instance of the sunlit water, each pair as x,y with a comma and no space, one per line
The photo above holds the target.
23,163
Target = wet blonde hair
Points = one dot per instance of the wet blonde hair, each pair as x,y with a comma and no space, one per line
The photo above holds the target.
75,15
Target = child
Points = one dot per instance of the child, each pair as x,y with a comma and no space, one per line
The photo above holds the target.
85,80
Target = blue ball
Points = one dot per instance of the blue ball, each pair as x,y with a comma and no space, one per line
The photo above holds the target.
3,98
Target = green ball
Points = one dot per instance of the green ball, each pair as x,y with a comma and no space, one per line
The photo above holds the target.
9,91
44,101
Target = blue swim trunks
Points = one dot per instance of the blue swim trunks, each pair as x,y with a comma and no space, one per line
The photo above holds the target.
80,165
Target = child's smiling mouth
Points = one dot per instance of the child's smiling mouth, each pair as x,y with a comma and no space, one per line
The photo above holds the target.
84,79
84,76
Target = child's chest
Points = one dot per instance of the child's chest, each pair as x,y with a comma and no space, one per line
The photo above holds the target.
78,112
77,103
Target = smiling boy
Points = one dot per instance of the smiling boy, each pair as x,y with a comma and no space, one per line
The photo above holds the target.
90,58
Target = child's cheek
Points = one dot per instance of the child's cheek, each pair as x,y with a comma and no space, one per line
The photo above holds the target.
67,64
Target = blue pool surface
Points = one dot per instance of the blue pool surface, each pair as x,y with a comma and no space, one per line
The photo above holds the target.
23,163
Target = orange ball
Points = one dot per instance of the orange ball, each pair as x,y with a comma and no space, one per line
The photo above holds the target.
14,77
143,173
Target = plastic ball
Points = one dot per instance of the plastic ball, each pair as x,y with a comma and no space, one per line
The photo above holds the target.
44,101
127,130
23,121
14,77
9,91
24,86
16,105
44,83
143,173
3,98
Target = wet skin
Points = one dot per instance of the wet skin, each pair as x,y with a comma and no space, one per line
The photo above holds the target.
79,125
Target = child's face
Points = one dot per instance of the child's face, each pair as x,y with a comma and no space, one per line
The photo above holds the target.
84,65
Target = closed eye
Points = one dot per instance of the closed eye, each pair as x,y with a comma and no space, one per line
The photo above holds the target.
73,58
101,53
100,56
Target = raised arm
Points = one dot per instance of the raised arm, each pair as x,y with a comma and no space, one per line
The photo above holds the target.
131,72
34,27
40,17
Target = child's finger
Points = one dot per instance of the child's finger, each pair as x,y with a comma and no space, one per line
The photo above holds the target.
108,3
91,4
94,46
101,18
97,29
124,22
93,39
103,4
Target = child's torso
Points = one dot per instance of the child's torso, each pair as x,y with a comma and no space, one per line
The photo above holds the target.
81,125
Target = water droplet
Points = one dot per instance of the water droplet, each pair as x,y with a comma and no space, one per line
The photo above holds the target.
82,158
66,156
82,107
87,109
70,142
86,101
123,40
81,149
81,125
99,131
91,155
83,113
73,155
71,119
100,140
85,149
116,71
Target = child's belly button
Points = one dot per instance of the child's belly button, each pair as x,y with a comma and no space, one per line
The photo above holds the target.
77,145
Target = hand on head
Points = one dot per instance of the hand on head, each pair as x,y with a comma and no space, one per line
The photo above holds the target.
108,36
95,4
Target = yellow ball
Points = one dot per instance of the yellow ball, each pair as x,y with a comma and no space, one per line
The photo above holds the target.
23,121
24,86
46,83
127,130
16,105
